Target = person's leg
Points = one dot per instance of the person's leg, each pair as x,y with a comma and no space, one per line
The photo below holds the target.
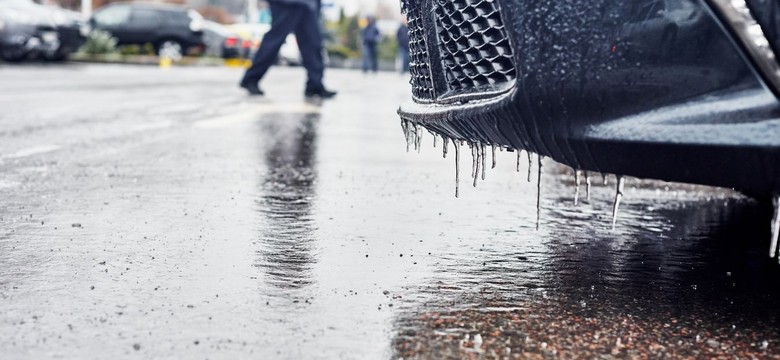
374,58
366,57
404,60
309,39
285,18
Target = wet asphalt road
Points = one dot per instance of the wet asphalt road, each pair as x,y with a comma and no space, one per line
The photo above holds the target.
152,213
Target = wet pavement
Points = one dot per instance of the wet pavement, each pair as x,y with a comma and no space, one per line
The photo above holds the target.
152,213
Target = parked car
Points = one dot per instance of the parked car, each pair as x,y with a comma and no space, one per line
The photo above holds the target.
72,30
26,30
288,54
172,30
223,42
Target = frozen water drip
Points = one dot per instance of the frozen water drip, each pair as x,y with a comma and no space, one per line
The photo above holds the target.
775,225
457,168
587,186
618,196
494,156
539,192
576,187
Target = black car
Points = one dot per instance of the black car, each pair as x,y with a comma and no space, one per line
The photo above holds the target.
72,30
26,30
677,90
172,30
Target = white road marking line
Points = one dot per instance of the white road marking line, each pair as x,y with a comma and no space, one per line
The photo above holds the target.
252,114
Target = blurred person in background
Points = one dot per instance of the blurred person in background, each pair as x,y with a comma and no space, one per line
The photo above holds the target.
291,16
371,37
403,45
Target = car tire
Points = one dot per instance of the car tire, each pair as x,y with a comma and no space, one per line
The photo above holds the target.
9,55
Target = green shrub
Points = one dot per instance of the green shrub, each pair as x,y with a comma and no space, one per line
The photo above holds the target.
341,51
99,42
387,49
128,50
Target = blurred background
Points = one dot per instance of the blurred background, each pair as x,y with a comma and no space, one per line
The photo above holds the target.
202,32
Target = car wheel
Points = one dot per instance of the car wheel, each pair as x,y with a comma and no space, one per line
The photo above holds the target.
171,49
11,55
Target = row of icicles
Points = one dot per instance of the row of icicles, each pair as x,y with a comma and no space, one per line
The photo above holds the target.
414,134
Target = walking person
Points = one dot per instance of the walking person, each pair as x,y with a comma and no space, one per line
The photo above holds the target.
402,36
371,37
300,17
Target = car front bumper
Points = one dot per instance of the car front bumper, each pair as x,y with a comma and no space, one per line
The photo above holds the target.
599,86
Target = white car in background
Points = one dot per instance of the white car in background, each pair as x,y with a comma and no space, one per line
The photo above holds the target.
288,54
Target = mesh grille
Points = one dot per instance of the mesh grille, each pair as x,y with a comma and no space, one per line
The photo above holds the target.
419,68
474,45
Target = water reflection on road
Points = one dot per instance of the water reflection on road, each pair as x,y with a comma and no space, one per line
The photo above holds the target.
688,279
287,234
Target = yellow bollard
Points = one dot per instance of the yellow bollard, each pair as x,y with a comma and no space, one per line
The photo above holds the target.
165,62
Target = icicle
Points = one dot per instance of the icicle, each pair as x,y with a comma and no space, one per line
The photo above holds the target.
474,160
539,192
445,146
405,126
618,196
775,226
605,178
435,140
420,133
530,163
494,157
476,163
587,186
576,187
457,169
519,152
413,134
482,155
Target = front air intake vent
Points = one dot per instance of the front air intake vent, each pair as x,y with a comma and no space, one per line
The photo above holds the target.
419,61
474,46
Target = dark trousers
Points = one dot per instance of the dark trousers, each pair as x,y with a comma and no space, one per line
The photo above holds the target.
403,53
370,61
286,19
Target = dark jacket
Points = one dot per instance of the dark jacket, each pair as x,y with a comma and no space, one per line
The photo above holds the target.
403,36
312,4
370,34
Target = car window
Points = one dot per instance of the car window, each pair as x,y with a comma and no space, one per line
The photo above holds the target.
146,17
114,15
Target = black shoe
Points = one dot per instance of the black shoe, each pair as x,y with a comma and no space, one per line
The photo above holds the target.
251,87
320,92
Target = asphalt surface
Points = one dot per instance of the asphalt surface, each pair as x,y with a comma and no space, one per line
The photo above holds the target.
150,213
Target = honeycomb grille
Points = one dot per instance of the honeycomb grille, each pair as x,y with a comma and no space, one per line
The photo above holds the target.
419,61
473,43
